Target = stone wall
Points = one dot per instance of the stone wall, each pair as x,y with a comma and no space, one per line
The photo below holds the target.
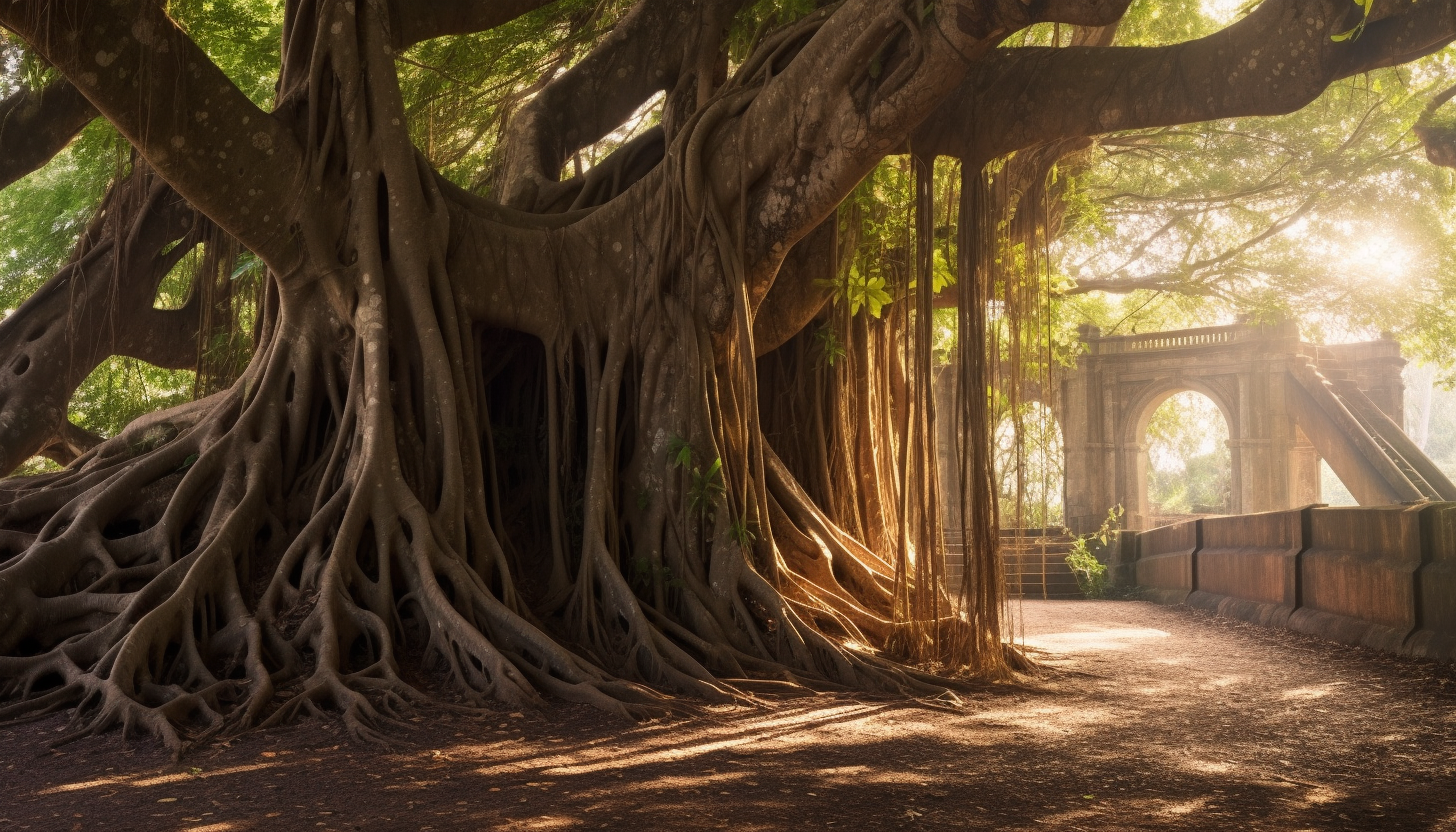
1165,562
1381,577
1248,566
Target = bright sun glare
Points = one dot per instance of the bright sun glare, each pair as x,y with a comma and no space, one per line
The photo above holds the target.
1374,257
1223,12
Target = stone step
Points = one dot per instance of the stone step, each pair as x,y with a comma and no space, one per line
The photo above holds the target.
1049,562
1018,550
1070,585
1050,596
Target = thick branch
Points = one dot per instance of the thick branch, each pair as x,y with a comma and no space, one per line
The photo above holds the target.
657,46
1438,139
420,20
70,442
853,93
1274,61
98,305
800,290
35,126
232,161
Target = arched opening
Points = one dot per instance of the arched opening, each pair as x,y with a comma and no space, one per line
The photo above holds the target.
1030,468
1187,460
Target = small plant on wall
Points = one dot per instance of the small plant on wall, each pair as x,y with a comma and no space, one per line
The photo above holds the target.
1091,573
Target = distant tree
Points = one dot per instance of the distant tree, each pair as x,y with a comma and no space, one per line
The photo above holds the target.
1189,466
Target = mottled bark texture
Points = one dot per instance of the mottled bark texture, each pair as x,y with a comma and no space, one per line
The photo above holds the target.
513,448
36,124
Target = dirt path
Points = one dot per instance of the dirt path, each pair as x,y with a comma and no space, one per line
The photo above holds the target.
1153,718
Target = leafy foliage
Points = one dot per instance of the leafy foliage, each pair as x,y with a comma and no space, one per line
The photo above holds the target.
1029,467
741,534
241,36
1330,215
831,349
459,90
1352,34
706,489
121,389
679,452
45,212
1087,568
874,230
863,291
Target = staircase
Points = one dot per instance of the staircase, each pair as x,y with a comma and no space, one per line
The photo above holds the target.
1034,561
1371,454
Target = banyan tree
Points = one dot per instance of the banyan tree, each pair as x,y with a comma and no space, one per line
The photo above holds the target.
590,431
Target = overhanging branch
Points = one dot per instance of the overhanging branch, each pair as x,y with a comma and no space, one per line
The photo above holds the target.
36,125
237,164
420,20
1274,61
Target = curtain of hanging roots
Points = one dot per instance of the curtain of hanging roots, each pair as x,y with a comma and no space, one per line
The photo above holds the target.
1021,186
981,589
1006,253
855,417
921,608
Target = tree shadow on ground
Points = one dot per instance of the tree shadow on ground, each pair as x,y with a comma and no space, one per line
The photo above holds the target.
1191,724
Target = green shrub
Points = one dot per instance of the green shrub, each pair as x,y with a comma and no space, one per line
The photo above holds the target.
1090,572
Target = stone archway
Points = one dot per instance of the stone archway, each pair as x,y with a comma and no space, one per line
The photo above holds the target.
1139,426
1287,404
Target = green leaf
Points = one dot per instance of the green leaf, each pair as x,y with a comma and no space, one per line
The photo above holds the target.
1353,34
707,488
679,452
830,348
741,534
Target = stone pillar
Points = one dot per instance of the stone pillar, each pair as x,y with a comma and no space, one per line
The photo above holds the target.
1132,485
1089,470
1304,472
1274,459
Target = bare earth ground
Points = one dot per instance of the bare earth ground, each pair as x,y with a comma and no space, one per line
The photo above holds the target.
1147,718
